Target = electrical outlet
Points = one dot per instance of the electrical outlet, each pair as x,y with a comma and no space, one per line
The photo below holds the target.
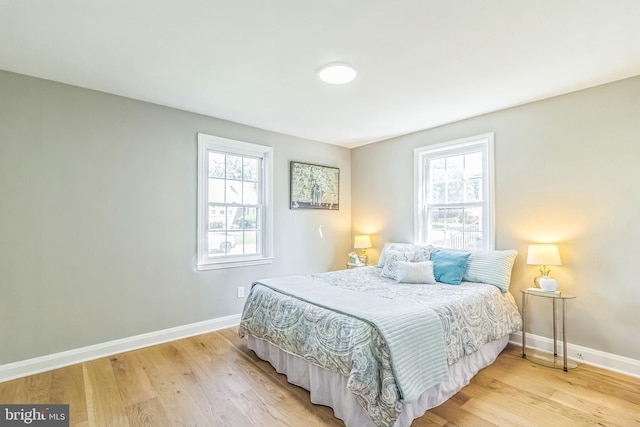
580,356
240,291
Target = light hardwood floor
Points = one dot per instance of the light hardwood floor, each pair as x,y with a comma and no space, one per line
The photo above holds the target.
214,380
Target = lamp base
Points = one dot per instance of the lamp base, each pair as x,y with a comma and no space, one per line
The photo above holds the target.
546,283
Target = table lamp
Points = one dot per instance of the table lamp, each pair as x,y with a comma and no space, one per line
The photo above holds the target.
362,242
544,255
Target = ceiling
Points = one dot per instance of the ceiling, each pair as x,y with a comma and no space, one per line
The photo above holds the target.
420,63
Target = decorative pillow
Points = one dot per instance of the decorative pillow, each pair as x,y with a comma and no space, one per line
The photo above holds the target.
383,255
448,266
415,272
491,267
422,253
391,262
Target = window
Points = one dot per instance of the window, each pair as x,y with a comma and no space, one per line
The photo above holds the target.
234,203
454,193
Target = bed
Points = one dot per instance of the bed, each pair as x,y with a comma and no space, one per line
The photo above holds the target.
383,344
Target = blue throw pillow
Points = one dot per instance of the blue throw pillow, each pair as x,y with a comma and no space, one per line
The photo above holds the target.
449,267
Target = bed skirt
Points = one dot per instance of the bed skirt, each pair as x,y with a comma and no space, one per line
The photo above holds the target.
330,388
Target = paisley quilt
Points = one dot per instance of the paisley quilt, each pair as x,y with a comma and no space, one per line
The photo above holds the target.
471,314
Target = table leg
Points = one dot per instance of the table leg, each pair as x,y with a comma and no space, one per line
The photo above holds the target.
555,331
564,335
524,322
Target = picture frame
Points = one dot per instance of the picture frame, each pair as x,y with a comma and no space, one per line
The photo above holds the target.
314,186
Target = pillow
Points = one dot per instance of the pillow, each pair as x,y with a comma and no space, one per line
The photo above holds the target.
415,272
391,262
422,253
448,266
383,255
492,267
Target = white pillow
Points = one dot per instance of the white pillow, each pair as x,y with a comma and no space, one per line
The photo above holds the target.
391,261
415,272
492,267
422,253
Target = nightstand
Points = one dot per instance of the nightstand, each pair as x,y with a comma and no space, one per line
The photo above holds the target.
354,265
541,358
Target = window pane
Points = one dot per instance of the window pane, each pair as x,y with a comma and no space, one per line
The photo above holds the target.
234,216
444,223
234,167
216,165
250,242
437,170
473,176
216,190
457,228
234,192
250,193
455,192
248,220
217,218
473,164
473,190
436,195
453,218
470,236
435,220
220,243
250,169
454,166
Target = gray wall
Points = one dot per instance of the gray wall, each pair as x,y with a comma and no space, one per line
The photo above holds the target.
98,218
566,171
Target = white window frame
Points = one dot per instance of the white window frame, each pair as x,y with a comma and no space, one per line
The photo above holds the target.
207,143
483,142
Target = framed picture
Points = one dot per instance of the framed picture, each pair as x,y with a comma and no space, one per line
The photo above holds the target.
314,186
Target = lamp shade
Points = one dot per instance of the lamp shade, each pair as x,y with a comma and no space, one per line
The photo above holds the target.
362,242
543,254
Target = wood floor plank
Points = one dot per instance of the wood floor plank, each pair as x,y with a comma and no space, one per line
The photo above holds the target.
497,415
610,412
261,372
522,401
104,402
580,397
215,380
149,413
37,387
9,390
210,391
67,385
179,405
452,411
132,381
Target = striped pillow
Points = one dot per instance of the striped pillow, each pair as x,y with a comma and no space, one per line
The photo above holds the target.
415,272
491,267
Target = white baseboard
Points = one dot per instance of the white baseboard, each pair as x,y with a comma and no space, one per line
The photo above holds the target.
36,365
588,356
10,371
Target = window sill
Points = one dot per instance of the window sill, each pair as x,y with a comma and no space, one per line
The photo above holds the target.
233,264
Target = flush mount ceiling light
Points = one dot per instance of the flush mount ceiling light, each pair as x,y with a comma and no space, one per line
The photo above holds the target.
337,74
